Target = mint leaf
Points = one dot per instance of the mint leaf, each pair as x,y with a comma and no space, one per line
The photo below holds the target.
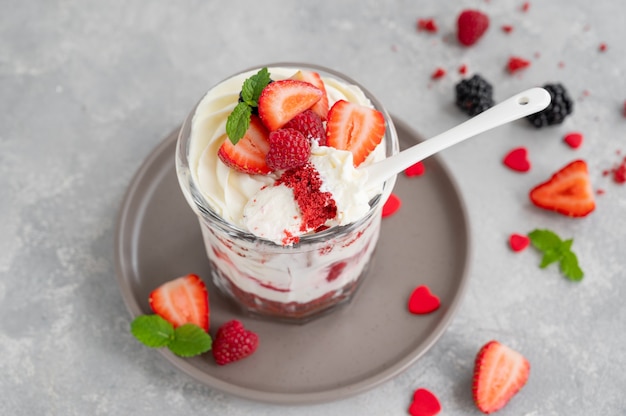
556,250
544,239
152,330
569,267
190,340
253,86
549,257
238,122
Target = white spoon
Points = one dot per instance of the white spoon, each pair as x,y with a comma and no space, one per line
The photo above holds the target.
518,106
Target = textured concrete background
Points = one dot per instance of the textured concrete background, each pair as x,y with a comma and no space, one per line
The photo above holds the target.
89,88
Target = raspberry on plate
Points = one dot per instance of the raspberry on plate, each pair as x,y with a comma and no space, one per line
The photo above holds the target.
233,342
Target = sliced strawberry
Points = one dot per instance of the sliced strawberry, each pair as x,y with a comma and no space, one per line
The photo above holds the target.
248,155
499,373
321,107
282,100
567,192
181,301
354,127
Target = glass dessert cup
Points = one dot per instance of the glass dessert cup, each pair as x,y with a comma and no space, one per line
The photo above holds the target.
293,283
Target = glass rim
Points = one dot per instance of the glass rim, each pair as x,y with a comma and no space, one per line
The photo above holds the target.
203,208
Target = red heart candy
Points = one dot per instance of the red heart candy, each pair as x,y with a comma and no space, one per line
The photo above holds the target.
422,301
424,404
517,159
392,205
574,140
518,242
417,169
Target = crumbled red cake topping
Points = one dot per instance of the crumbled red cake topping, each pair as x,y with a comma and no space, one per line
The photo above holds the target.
439,73
427,25
316,206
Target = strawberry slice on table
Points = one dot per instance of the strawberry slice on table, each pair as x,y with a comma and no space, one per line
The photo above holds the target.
182,301
321,107
567,192
248,155
282,100
499,373
354,127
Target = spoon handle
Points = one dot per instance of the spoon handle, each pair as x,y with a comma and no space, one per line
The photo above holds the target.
518,106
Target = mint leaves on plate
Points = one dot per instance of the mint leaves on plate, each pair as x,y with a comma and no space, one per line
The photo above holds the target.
556,250
239,120
185,341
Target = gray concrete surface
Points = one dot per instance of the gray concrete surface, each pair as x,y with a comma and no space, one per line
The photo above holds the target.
89,88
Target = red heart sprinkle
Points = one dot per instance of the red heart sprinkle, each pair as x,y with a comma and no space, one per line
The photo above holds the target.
422,301
518,242
392,205
424,403
517,159
574,140
415,170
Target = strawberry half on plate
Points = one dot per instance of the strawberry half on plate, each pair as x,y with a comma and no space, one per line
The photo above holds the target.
567,192
182,301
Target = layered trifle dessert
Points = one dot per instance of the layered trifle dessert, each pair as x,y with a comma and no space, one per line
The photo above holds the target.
271,160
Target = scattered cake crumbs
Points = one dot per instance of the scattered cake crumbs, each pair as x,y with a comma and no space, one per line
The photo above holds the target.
427,25
438,73
516,64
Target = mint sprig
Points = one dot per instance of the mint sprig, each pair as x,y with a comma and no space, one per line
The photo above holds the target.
185,341
554,250
239,120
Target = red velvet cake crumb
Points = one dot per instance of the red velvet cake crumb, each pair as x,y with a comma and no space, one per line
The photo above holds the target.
316,206
427,25
602,47
439,73
516,63
463,69
507,28
525,6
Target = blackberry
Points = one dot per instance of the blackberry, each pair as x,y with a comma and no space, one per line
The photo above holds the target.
560,107
474,95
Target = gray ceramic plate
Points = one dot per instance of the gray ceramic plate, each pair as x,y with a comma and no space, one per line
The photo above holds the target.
355,348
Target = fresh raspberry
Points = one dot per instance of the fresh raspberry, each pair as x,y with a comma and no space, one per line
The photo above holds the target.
233,342
471,26
288,149
310,125
516,63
